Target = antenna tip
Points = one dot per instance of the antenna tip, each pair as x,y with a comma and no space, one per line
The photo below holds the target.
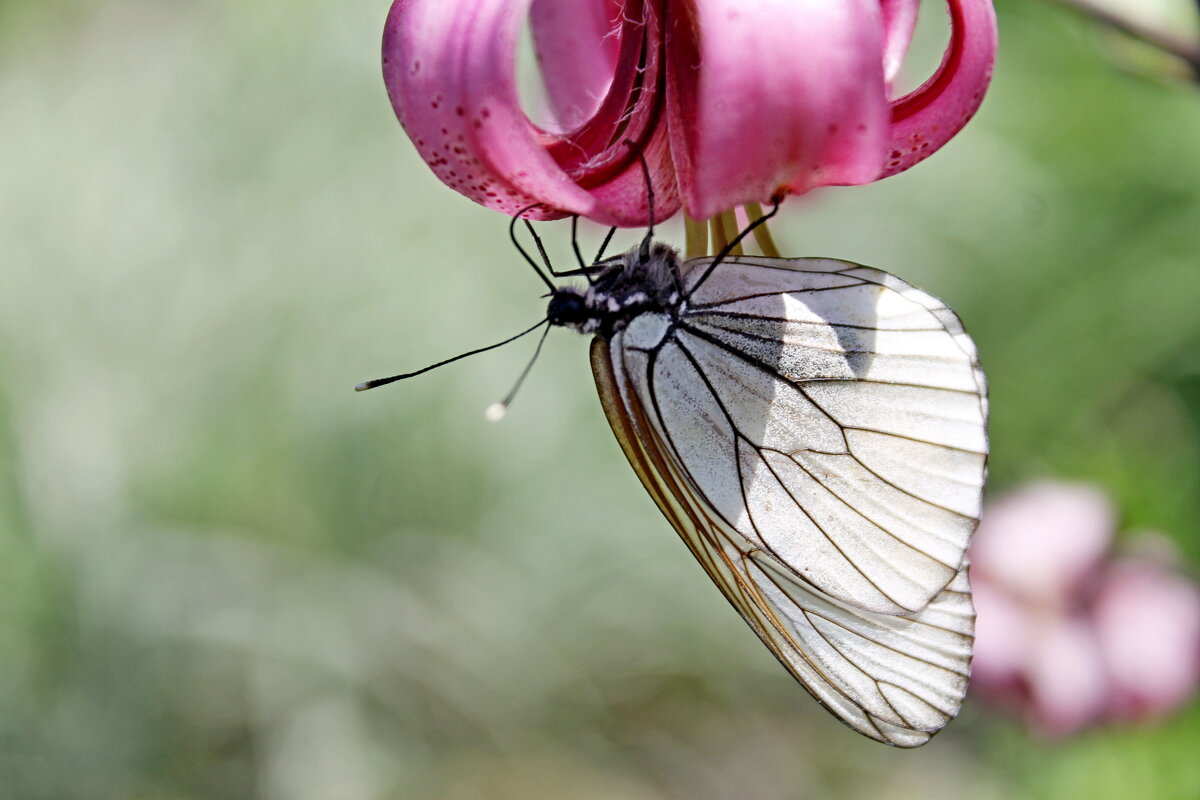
496,411
362,387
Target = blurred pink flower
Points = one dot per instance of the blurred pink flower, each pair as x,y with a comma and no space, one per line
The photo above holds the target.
731,101
1067,634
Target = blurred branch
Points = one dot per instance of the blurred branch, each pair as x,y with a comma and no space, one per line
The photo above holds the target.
1166,41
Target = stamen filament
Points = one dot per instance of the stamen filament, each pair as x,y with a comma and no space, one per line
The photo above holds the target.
696,237
718,239
730,225
762,236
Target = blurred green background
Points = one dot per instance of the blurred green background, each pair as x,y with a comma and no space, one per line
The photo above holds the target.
223,574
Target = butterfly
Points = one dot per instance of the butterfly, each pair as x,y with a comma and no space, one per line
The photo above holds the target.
815,432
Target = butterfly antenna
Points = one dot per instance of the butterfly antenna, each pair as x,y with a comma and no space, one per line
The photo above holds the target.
496,411
645,251
512,234
362,387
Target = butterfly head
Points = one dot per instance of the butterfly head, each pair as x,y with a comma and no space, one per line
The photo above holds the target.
568,308
639,281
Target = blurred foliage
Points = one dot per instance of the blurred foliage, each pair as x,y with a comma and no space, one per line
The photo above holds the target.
225,575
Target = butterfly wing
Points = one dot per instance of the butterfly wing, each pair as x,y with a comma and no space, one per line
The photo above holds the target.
894,679
826,413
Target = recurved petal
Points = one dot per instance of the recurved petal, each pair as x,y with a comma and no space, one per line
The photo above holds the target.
927,118
899,20
577,43
774,96
450,71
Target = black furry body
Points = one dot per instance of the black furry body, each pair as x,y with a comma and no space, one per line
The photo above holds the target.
642,280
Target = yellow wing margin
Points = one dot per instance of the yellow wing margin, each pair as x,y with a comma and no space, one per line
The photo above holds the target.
894,679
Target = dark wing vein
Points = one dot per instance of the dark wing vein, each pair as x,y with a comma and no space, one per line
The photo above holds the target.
798,386
703,535
814,290
765,318
791,457
739,437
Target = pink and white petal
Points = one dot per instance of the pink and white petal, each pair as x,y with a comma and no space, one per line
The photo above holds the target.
1148,621
1003,630
577,42
927,118
449,66
1043,542
450,73
773,96
899,22
1067,683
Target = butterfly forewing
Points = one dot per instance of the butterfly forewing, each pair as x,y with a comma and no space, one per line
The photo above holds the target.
826,413
894,679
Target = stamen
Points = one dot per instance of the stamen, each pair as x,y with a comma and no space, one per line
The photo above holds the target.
762,236
730,225
718,239
696,237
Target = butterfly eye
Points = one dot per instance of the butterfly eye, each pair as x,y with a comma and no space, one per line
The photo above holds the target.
566,308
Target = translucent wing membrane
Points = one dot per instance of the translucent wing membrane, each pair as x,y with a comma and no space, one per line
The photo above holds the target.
828,416
896,679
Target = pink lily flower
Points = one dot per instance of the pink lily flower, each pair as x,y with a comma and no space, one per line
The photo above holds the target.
1068,635
730,101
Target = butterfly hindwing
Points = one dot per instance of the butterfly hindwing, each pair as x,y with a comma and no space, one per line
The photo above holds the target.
828,414
894,679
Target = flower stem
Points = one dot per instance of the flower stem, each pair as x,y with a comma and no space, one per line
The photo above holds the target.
1178,46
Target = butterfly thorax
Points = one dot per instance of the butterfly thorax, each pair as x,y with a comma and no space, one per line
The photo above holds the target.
634,283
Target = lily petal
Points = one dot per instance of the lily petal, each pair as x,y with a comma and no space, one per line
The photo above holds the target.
772,97
729,101
899,21
1066,677
1148,618
927,118
1045,542
450,72
577,44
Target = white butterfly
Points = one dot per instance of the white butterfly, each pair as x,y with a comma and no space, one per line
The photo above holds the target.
815,431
